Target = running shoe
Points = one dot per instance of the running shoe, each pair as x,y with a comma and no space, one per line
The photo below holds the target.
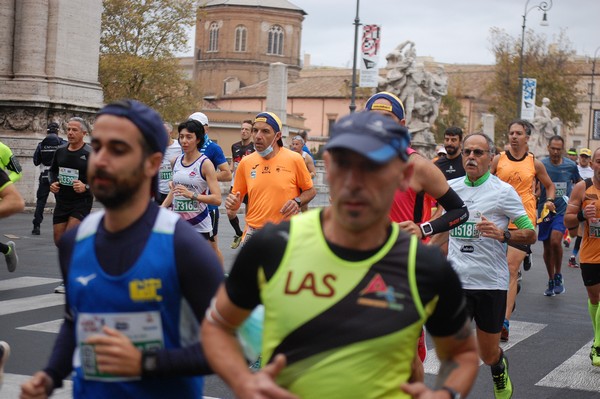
4,355
567,241
550,290
60,289
503,388
559,287
573,262
527,262
237,240
505,331
11,257
595,356
35,231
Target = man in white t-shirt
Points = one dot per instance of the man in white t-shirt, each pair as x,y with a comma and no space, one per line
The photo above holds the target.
165,174
586,172
477,250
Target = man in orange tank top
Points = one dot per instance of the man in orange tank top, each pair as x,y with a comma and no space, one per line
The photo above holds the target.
584,206
520,169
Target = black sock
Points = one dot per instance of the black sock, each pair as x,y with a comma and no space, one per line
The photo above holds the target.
235,223
498,367
4,248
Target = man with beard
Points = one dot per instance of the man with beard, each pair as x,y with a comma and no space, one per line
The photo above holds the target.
477,250
519,168
452,164
138,277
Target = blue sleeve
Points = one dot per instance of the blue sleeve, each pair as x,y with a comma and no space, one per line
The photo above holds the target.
200,274
216,155
60,364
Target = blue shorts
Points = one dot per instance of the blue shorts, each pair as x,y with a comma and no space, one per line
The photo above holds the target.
545,228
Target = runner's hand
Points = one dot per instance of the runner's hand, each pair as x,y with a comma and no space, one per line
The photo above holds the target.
411,228
37,387
116,354
262,384
488,229
233,201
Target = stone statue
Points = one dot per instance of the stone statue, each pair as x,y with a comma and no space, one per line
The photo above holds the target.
544,127
421,92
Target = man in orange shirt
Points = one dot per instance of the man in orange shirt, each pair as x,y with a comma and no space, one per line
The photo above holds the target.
274,178
584,207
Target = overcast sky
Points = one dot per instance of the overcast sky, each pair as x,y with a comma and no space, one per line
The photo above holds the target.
451,31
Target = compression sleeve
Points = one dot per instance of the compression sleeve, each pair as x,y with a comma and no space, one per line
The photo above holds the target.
456,212
523,223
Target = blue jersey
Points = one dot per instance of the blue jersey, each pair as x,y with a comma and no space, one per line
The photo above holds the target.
563,176
145,303
213,152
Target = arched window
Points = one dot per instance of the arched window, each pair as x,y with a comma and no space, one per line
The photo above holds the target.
241,34
213,37
275,43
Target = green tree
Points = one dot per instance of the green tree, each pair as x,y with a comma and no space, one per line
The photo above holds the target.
139,40
549,64
450,115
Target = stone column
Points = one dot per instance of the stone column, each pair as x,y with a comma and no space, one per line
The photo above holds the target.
31,27
277,93
7,29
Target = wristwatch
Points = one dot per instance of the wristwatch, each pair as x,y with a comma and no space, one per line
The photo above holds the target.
87,187
149,362
452,392
298,201
507,236
426,229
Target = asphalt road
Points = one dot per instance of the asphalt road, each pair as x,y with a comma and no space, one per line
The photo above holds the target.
548,350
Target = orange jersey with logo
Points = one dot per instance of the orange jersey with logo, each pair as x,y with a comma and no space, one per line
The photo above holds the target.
521,175
590,245
269,183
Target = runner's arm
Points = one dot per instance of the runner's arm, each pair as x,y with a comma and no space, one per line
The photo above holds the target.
542,175
574,212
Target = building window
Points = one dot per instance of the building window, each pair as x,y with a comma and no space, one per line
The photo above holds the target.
213,37
275,44
241,34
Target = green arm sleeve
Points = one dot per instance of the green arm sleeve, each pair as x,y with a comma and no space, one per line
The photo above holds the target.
523,222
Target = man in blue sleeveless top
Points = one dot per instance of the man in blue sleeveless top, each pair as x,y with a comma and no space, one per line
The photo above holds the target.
138,278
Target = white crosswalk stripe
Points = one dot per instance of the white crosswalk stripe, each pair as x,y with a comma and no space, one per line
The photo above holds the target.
576,372
47,326
519,330
24,282
12,306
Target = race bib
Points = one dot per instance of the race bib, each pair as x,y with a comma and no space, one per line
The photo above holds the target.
66,176
467,230
561,189
144,329
183,204
165,172
594,228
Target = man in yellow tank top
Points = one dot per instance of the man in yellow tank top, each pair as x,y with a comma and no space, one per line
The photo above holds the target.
584,206
345,291
520,169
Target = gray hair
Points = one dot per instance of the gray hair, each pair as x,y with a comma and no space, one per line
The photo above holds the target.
85,126
489,141
299,138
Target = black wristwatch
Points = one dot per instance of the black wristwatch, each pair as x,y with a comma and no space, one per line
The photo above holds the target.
452,392
149,362
507,236
298,201
87,187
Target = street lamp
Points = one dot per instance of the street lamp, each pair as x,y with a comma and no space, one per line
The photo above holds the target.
591,128
542,6
356,25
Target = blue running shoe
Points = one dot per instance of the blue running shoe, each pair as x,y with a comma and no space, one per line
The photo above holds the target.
550,290
559,287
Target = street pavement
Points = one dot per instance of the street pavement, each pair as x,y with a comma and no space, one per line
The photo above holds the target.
548,348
